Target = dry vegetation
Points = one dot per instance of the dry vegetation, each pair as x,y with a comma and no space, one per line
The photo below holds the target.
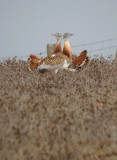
67,116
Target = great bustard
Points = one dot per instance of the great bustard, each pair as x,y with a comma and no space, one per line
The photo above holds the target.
56,61
77,61
35,61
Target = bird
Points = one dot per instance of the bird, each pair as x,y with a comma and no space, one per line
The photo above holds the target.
77,61
34,61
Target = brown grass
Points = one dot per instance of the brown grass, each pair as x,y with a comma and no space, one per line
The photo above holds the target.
67,116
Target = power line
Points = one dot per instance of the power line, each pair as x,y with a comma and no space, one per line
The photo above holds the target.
102,49
92,43
28,55
94,50
23,56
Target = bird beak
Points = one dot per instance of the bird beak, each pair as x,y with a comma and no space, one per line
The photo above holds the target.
72,34
53,34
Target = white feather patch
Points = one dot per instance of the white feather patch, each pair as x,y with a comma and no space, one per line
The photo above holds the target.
53,55
83,63
63,65
71,69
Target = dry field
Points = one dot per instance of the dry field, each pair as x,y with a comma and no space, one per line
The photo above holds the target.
63,116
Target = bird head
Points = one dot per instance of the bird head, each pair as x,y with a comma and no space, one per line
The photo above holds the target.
67,36
58,36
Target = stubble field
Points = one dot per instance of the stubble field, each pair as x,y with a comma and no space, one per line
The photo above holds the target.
63,116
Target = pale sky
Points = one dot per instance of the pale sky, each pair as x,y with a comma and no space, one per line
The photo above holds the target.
26,25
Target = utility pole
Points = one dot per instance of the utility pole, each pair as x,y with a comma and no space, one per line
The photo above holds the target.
50,49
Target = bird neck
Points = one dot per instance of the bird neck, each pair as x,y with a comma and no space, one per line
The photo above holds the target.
67,49
58,47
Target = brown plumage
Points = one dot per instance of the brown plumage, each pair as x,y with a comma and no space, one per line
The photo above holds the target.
55,59
74,57
67,51
87,61
57,48
34,61
58,37
67,48
82,59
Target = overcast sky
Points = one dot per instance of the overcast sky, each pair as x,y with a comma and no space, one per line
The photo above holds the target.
26,25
